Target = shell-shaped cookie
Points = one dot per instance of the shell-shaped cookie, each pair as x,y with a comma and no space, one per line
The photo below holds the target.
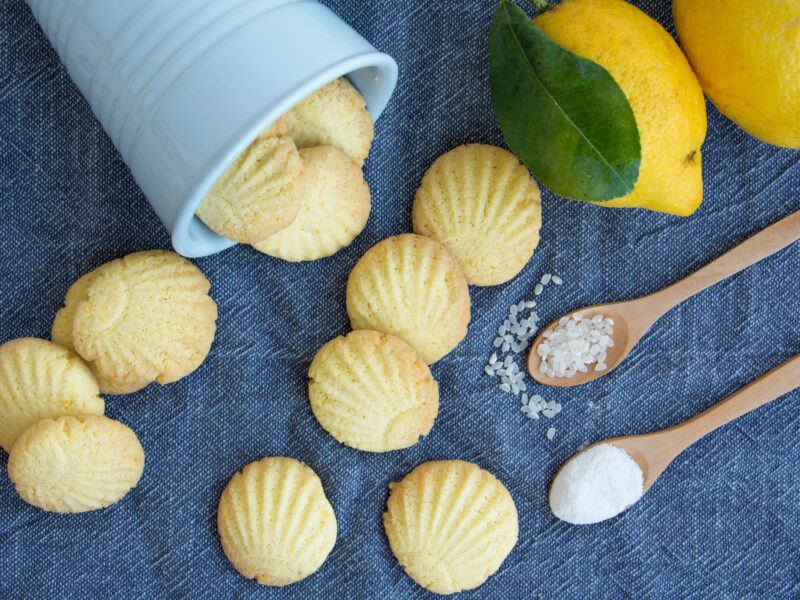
143,318
275,523
336,205
371,391
61,333
485,207
450,524
75,463
40,379
334,115
259,193
410,286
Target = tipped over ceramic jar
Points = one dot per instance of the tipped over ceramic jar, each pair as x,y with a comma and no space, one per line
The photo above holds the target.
182,87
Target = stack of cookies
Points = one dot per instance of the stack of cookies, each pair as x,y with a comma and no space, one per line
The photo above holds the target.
298,192
132,321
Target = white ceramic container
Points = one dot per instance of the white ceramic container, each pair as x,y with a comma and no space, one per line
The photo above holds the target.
183,86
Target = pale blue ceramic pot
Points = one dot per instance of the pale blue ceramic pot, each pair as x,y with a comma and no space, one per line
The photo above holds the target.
183,86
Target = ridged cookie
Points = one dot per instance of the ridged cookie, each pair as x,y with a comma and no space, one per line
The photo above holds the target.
75,463
336,206
260,192
335,115
61,333
275,523
410,286
485,207
142,318
450,524
40,379
371,391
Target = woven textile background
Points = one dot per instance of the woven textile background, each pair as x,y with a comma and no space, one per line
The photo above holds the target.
723,521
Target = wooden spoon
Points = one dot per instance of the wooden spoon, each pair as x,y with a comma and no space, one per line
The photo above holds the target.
653,452
633,318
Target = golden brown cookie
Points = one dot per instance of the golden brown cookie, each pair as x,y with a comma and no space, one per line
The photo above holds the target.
336,206
275,523
260,192
61,333
410,286
450,524
75,463
371,391
142,318
485,207
40,379
335,115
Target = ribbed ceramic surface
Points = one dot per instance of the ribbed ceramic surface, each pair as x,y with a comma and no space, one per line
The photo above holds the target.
126,55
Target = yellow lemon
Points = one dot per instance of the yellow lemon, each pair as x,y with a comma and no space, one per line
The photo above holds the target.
663,91
747,57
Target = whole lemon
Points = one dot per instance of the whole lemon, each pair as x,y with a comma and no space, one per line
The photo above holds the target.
663,91
747,57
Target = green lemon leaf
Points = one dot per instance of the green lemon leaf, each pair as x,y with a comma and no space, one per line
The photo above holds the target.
564,116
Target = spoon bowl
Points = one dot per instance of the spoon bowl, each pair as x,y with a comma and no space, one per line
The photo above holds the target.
614,354
633,318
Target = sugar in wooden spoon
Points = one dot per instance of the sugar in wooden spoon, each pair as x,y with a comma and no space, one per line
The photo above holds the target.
608,477
632,318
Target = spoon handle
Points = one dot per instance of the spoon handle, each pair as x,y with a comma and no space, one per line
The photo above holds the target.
766,242
766,388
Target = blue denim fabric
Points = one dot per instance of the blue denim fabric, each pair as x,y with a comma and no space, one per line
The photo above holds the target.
722,522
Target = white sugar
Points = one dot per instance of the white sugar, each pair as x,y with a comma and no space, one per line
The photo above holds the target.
596,485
